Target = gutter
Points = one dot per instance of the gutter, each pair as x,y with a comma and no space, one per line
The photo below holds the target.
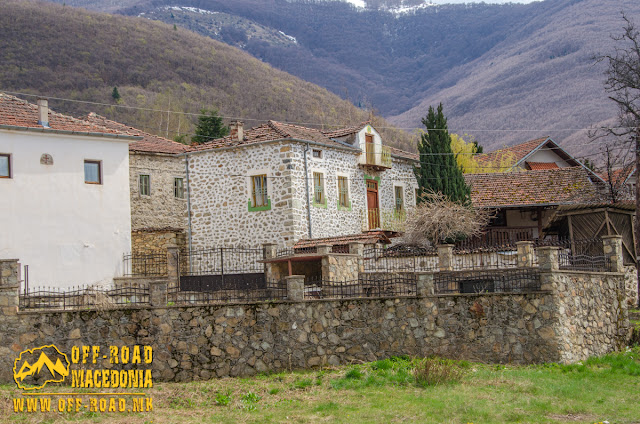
306,184
67,132
186,165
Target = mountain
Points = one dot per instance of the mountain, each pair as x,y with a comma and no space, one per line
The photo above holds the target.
43,361
64,52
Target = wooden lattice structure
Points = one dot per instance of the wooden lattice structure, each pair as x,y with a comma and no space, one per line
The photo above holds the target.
589,221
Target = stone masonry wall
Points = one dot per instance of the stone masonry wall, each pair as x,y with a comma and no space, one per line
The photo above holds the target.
631,284
145,241
591,311
161,209
201,342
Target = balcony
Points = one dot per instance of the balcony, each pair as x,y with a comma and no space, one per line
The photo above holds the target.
383,219
377,157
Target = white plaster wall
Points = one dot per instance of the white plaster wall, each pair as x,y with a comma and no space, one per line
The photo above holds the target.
546,156
68,232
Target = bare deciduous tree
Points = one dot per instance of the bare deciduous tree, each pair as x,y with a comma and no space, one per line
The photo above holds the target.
438,219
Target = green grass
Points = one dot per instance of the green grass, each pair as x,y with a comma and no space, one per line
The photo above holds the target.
600,389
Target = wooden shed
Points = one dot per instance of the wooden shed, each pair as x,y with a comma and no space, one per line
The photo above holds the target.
591,221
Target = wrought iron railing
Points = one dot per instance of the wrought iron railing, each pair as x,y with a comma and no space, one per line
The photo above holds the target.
485,257
400,259
490,281
221,260
232,290
383,219
145,265
83,297
364,286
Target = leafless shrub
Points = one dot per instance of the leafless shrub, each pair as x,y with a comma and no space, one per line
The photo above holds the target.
436,371
438,219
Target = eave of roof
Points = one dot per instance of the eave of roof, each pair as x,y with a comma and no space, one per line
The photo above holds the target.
68,132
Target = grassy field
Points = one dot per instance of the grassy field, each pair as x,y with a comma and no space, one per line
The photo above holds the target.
605,389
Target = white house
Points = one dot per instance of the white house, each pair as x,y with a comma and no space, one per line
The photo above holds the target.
279,183
65,187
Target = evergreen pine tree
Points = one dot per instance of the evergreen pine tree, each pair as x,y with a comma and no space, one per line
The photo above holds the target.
209,127
115,94
439,171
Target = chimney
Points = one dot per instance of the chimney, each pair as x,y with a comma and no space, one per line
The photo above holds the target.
43,112
236,130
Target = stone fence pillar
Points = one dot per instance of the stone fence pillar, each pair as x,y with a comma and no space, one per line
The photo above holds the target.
548,258
9,287
158,293
173,266
324,249
613,250
270,250
295,288
525,254
358,249
445,257
425,284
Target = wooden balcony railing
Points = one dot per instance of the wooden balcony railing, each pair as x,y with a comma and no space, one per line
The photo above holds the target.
373,159
385,219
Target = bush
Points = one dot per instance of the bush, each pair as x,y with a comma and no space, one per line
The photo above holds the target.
436,371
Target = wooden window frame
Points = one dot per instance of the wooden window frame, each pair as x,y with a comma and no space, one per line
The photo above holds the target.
141,185
264,201
94,162
9,173
401,204
175,187
343,192
319,188
316,153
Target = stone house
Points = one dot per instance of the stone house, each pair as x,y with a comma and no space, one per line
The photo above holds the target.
157,183
66,210
279,183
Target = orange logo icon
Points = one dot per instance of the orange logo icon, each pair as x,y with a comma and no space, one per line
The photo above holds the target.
34,368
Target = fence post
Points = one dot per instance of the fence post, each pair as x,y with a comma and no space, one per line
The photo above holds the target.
424,284
158,293
295,288
173,266
445,257
9,287
613,250
525,254
548,258
324,249
358,249
270,250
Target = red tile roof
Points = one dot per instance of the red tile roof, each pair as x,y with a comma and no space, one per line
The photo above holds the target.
519,151
341,132
536,166
528,188
404,154
16,112
149,144
270,131
370,237
620,175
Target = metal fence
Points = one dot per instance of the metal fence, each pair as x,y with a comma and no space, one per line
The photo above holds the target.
145,265
485,257
400,259
221,260
281,253
579,255
230,291
83,297
491,281
364,286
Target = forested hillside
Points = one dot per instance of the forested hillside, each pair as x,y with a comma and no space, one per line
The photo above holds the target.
71,53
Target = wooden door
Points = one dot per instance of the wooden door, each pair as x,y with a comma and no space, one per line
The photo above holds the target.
372,204
370,149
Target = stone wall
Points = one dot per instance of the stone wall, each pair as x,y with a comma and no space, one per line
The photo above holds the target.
201,342
220,194
161,209
156,241
592,316
631,284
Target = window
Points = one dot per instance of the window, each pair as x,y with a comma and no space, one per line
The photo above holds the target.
317,154
343,192
93,172
5,165
399,195
259,191
318,189
178,188
145,185
499,219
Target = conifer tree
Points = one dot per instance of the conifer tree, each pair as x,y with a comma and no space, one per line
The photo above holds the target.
115,94
439,171
209,127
